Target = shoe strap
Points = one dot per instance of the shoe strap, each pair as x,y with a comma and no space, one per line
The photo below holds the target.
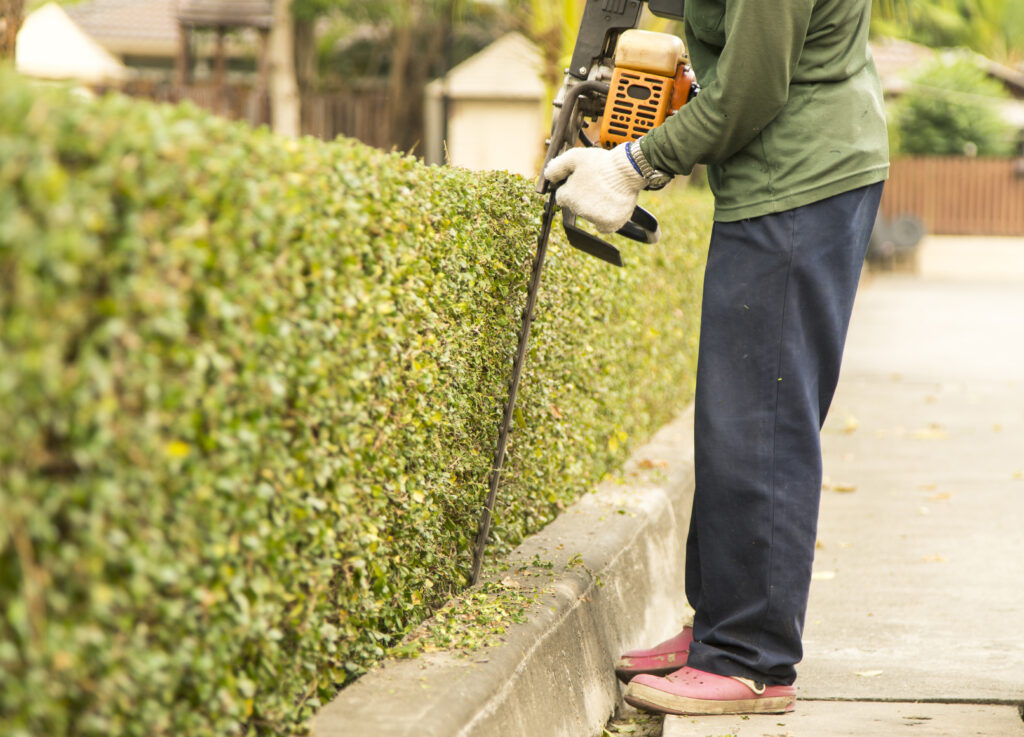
757,688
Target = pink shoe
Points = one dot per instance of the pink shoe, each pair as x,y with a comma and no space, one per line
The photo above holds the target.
660,660
690,691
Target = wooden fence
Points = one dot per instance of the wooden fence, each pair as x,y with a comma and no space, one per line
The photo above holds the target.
958,195
357,114
361,115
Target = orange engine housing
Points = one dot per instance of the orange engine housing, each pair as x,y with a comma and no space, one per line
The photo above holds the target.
637,102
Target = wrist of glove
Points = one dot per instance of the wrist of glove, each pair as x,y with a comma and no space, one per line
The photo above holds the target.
601,186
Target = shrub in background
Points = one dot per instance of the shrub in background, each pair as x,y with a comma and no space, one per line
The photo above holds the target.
952,109
249,393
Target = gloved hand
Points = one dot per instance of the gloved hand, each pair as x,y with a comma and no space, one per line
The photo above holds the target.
602,185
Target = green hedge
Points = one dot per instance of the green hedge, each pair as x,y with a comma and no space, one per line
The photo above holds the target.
249,392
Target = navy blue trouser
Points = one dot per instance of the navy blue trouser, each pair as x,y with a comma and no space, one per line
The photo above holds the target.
778,293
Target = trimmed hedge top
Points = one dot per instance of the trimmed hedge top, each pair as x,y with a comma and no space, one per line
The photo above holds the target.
249,393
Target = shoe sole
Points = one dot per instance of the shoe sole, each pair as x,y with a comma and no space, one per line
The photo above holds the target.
651,699
627,675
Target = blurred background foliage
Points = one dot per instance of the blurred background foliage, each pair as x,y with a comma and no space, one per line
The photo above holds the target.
398,46
951,108
993,28
369,40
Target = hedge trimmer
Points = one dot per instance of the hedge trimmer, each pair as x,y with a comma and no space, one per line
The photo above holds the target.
624,82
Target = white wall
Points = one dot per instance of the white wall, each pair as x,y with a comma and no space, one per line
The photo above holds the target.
496,134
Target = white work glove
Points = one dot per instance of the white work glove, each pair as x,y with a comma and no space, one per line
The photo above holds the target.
602,185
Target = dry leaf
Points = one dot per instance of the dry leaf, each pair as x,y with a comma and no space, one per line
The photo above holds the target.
648,463
844,487
934,431
868,673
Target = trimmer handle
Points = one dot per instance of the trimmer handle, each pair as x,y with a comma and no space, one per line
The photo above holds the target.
642,226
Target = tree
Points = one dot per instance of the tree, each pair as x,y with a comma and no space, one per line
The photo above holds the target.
413,41
553,25
12,13
285,105
952,108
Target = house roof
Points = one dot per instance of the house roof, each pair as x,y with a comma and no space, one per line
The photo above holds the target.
145,27
52,46
1011,78
510,68
238,13
150,27
898,61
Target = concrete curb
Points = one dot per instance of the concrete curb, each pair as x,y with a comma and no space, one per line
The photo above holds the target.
553,675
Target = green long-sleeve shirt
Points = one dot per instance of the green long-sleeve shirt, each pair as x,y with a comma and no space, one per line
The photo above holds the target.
790,111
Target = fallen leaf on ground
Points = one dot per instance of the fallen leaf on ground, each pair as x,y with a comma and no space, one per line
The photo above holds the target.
648,463
940,497
896,432
868,673
844,487
933,432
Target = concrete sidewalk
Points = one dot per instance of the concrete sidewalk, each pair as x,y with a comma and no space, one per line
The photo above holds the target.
918,591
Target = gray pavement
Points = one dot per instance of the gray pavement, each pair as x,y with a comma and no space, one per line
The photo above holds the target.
857,719
918,590
921,565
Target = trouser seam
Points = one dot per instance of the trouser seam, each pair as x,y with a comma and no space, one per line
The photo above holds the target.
775,432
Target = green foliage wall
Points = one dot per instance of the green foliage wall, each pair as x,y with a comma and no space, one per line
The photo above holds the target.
249,391
952,108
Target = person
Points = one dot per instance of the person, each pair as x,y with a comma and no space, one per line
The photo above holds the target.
791,126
